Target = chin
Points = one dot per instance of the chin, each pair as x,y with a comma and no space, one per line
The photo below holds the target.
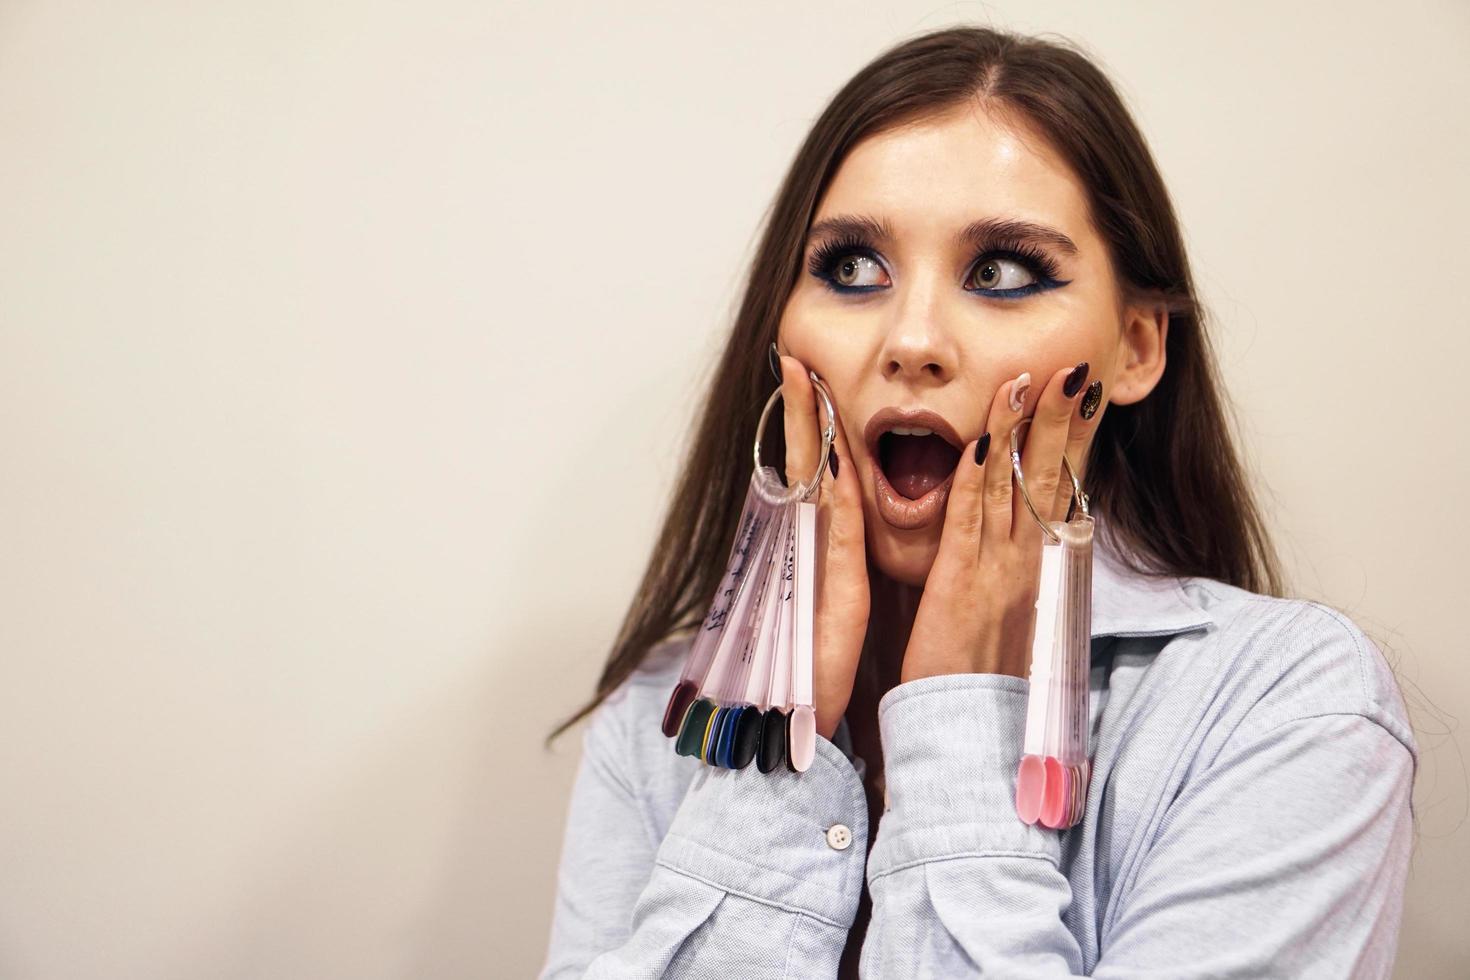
904,556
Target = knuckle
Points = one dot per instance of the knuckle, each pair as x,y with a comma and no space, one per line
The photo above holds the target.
997,495
969,523
1045,487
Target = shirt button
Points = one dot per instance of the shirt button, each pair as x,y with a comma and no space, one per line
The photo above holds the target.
838,837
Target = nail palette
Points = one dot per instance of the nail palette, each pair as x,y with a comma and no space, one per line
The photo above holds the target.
746,691
1052,779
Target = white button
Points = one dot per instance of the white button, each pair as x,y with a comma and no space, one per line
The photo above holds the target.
838,837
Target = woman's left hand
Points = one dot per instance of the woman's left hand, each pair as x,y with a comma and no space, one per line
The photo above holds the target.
978,610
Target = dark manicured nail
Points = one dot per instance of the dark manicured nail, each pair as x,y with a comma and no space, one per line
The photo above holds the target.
832,463
981,448
775,362
1075,379
1092,399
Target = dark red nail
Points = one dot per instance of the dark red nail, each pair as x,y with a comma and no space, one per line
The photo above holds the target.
1073,384
832,463
981,448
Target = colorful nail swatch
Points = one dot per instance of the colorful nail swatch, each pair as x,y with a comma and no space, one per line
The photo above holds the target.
746,692
1055,767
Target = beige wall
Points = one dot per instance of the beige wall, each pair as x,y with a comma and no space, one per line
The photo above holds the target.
345,354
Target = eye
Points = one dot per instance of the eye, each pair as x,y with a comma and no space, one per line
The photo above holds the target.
999,273
1013,271
849,271
848,265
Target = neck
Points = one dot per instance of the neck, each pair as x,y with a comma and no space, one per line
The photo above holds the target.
891,614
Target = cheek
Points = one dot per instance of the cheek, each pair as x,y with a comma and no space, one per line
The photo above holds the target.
1053,343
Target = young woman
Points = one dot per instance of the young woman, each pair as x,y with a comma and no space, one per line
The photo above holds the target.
975,234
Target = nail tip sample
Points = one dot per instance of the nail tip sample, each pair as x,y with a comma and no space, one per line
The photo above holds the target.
803,737
747,738
771,752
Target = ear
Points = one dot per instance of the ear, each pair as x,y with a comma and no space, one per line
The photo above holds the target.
1140,360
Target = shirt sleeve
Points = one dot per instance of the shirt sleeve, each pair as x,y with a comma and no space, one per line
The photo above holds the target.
1285,856
747,881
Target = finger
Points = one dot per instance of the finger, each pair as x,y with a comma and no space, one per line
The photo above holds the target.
841,499
1041,451
960,538
959,541
1085,421
996,497
842,596
800,411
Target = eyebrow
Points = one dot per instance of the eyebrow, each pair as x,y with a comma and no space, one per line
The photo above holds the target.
977,234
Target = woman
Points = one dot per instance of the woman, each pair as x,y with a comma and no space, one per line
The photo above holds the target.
973,234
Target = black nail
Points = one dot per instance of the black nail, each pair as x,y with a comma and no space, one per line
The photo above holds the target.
981,448
1075,379
775,362
1092,399
832,463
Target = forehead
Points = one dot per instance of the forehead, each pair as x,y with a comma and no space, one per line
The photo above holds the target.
946,171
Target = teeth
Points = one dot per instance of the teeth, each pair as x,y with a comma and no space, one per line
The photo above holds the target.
899,430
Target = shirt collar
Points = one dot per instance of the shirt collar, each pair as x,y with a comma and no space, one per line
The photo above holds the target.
1126,603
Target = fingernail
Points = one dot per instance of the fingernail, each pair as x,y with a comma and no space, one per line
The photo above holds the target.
981,448
832,463
775,362
1075,379
1019,387
1092,399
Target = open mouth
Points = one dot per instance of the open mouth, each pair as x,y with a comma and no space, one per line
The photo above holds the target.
912,453
914,464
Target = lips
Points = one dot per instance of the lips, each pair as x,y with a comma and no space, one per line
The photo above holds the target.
912,474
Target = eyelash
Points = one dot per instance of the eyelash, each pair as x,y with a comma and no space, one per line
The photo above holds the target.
824,260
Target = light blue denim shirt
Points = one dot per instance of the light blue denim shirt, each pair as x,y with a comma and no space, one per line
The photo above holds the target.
1248,816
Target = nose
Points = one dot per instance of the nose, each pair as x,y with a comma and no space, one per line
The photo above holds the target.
918,348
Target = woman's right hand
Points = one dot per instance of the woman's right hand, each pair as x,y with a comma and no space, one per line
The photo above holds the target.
841,589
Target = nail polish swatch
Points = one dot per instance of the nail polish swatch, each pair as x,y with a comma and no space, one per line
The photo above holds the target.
1092,399
1019,387
832,463
981,448
747,738
771,752
1075,379
679,703
786,737
775,362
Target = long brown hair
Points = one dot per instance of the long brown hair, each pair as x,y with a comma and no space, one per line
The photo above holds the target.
1163,474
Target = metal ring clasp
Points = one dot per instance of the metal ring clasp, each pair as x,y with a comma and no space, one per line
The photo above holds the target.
829,433
1078,496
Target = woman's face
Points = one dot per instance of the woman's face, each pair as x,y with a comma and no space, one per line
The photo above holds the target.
946,258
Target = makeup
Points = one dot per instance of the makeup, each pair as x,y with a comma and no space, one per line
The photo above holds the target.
901,512
912,454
